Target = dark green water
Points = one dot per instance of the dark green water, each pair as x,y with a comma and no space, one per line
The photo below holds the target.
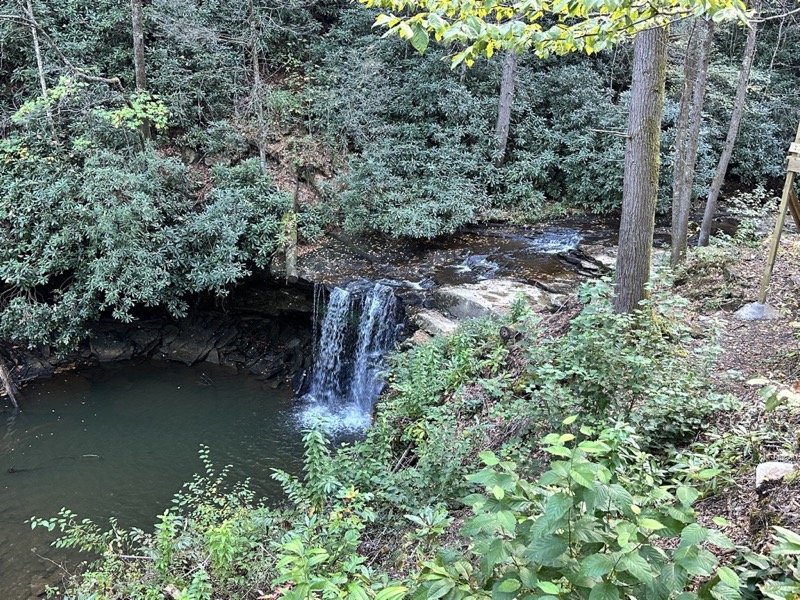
120,441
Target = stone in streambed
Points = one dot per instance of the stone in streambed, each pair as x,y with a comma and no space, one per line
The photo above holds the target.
492,297
434,323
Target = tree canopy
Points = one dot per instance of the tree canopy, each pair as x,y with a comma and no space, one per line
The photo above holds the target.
558,27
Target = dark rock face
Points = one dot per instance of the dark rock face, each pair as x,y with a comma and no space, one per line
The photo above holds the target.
274,349
109,345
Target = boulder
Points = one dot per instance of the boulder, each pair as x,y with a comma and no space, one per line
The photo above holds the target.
433,322
773,471
755,311
493,297
145,339
190,347
192,342
31,366
110,346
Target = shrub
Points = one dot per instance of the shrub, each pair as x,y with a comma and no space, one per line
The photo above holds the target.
577,532
642,368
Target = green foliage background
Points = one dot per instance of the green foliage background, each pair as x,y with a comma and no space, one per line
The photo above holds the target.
389,140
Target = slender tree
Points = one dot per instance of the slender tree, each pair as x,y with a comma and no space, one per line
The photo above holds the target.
257,91
38,51
507,84
733,130
137,19
640,182
698,54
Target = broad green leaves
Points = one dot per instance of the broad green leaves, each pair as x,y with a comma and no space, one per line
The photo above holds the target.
576,532
546,27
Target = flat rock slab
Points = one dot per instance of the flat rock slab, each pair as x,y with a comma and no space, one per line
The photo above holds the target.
434,323
755,311
493,297
772,471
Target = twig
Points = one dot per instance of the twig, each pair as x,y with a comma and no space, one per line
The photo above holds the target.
623,134
402,458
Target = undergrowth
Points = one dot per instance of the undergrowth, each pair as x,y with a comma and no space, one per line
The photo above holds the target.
461,490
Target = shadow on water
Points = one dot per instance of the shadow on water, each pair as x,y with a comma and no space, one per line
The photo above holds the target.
119,441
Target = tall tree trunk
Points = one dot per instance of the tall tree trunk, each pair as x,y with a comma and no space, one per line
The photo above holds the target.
698,54
640,183
137,20
257,92
37,50
733,129
506,102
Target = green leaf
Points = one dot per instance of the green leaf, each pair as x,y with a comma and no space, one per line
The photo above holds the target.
788,535
695,560
723,591
728,577
596,565
546,549
719,539
583,477
507,520
651,524
636,566
548,587
604,591
394,592
568,421
508,586
707,474
439,589
693,534
488,457
687,495
558,451
772,402
356,592
420,39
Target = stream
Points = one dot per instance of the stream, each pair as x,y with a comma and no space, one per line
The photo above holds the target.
119,441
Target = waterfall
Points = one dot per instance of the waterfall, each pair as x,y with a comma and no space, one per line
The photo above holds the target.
358,329
329,363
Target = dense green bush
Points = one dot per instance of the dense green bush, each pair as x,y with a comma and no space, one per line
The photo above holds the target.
93,225
643,368
577,533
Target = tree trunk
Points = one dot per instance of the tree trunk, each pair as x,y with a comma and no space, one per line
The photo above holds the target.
733,129
698,54
37,50
290,221
506,102
8,383
257,92
137,19
640,182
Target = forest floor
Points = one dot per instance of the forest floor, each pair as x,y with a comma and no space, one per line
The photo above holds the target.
719,283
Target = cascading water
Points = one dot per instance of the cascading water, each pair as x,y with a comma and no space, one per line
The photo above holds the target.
330,362
356,332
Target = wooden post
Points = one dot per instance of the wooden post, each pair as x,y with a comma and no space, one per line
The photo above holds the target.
786,201
794,208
